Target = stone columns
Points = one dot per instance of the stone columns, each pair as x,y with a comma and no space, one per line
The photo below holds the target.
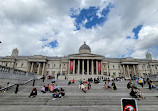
69,67
101,68
83,67
9,64
73,66
153,69
128,71
87,67
78,67
107,69
92,67
38,71
138,71
61,68
43,68
134,70
124,70
31,67
96,67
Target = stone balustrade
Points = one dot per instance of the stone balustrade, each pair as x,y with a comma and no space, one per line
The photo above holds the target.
10,73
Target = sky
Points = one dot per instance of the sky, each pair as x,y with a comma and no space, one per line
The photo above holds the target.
112,28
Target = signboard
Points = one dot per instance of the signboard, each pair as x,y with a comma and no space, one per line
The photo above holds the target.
129,104
99,66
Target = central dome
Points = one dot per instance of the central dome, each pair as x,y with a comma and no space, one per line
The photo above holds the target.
84,48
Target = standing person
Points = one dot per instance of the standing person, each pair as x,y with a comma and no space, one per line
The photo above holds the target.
33,83
43,78
33,93
141,81
17,88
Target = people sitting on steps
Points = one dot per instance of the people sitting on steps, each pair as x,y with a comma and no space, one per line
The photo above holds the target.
129,84
133,93
89,85
55,95
96,80
105,86
140,94
108,85
83,88
62,91
53,80
51,87
56,88
58,94
73,80
69,82
47,88
113,85
33,92
43,90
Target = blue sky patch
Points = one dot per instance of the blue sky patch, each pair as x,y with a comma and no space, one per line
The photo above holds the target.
44,40
136,31
52,44
128,37
88,18
129,53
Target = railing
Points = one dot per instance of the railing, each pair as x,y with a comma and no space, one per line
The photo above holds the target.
10,86
15,74
154,77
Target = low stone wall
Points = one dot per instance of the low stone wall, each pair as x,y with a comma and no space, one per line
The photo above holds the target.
154,77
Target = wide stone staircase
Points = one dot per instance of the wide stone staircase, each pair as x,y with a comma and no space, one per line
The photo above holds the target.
96,99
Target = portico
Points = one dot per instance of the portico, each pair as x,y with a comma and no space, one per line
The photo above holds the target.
85,63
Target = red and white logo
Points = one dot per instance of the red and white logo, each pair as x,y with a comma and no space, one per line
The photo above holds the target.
129,108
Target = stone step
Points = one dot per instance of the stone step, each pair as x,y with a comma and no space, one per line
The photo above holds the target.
72,108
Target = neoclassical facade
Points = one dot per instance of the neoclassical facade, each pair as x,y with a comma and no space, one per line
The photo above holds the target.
82,63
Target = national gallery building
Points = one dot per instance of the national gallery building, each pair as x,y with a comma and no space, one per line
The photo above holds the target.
83,63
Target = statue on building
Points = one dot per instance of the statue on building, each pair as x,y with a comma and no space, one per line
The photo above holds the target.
15,52
148,56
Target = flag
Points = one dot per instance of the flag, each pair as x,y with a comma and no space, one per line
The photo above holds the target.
99,66
71,65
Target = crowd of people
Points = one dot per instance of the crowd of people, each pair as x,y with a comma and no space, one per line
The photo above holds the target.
51,88
109,85
85,85
135,91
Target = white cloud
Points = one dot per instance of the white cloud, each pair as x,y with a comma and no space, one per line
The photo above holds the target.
24,23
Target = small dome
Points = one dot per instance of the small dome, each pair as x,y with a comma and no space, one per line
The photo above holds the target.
84,48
